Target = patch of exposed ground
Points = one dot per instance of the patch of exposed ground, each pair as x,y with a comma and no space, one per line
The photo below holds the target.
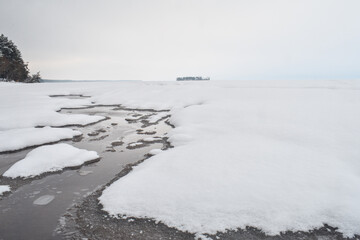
324,233
141,131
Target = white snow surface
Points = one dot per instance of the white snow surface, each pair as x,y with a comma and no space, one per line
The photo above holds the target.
15,139
4,188
25,106
157,117
151,139
135,144
50,158
276,155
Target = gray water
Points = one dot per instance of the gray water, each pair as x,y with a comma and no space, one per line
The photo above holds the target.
35,209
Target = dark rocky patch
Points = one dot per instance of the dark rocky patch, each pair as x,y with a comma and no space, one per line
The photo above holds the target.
140,145
97,132
141,131
117,143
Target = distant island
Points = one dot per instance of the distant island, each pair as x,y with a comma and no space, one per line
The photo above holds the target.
192,79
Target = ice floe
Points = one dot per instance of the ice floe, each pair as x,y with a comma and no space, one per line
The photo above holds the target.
50,158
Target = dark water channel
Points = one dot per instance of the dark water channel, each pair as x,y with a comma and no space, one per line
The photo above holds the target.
35,208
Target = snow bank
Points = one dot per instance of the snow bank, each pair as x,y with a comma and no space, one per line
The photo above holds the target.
4,188
276,155
50,158
15,139
282,158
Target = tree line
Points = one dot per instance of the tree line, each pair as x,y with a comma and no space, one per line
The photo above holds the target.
12,66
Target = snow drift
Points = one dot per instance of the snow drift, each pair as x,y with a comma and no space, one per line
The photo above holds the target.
50,158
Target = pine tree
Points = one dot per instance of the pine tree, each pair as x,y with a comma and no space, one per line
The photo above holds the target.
35,78
12,66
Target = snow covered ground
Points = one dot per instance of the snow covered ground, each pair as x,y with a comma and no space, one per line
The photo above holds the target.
15,139
276,155
24,106
49,158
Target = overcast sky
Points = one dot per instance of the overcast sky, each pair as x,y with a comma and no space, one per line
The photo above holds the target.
164,39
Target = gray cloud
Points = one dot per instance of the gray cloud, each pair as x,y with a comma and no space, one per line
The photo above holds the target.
163,39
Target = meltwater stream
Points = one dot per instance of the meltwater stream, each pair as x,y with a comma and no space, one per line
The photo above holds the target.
34,208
